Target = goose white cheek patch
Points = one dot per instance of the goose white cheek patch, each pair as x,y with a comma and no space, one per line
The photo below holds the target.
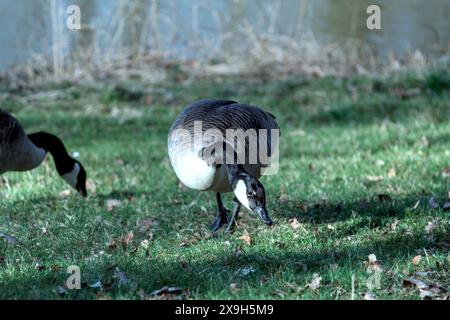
72,177
241,193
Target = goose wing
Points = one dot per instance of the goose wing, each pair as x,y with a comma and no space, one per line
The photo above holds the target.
223,115
10,129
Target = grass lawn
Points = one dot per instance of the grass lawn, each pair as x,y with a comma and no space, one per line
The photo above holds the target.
360,159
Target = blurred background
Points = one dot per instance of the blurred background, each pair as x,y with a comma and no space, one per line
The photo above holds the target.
228,37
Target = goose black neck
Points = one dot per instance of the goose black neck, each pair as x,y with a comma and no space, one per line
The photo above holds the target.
50,143
234,172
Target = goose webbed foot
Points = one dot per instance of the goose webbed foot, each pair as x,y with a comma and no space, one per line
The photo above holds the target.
220,220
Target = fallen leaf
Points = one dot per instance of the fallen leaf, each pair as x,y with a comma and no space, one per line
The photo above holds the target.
90,186
234,287
283,199
315,282
145,244
392,173
432,203
65,193
367,296
303,207
374,178
111,204
372,264
246,271
413,282
293,222
128,238
431,226
446,173
416,260
148,223
246,238
394,225
426,290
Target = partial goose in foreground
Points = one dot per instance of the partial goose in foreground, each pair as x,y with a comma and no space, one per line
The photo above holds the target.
21,152
204,157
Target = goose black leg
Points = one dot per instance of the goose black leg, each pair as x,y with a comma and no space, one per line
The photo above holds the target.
234,216
222,215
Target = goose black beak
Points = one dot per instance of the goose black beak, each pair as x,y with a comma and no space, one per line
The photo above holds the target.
262,213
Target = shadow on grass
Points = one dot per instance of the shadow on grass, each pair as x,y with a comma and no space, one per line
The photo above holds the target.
376,208
208,275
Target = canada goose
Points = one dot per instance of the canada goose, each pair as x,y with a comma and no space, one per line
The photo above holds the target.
210,161
21,152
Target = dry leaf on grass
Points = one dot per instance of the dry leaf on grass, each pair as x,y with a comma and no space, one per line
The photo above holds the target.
246,238
315,282
145,244
124,240
416,260
65,193
426,290
431,226
90,186
392,173
283,199
446,173
148,223
111,204
128,238
394,225
234,287
375,178
246,271
293,222
372,264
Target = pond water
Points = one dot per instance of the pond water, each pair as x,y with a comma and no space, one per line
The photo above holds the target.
27,28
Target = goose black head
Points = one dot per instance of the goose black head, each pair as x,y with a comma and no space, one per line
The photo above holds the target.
68,168
76,177
251,194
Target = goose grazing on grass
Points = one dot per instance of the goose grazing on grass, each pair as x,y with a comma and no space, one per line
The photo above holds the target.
216,145
21,152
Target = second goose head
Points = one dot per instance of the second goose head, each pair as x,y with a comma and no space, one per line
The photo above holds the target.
68,168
